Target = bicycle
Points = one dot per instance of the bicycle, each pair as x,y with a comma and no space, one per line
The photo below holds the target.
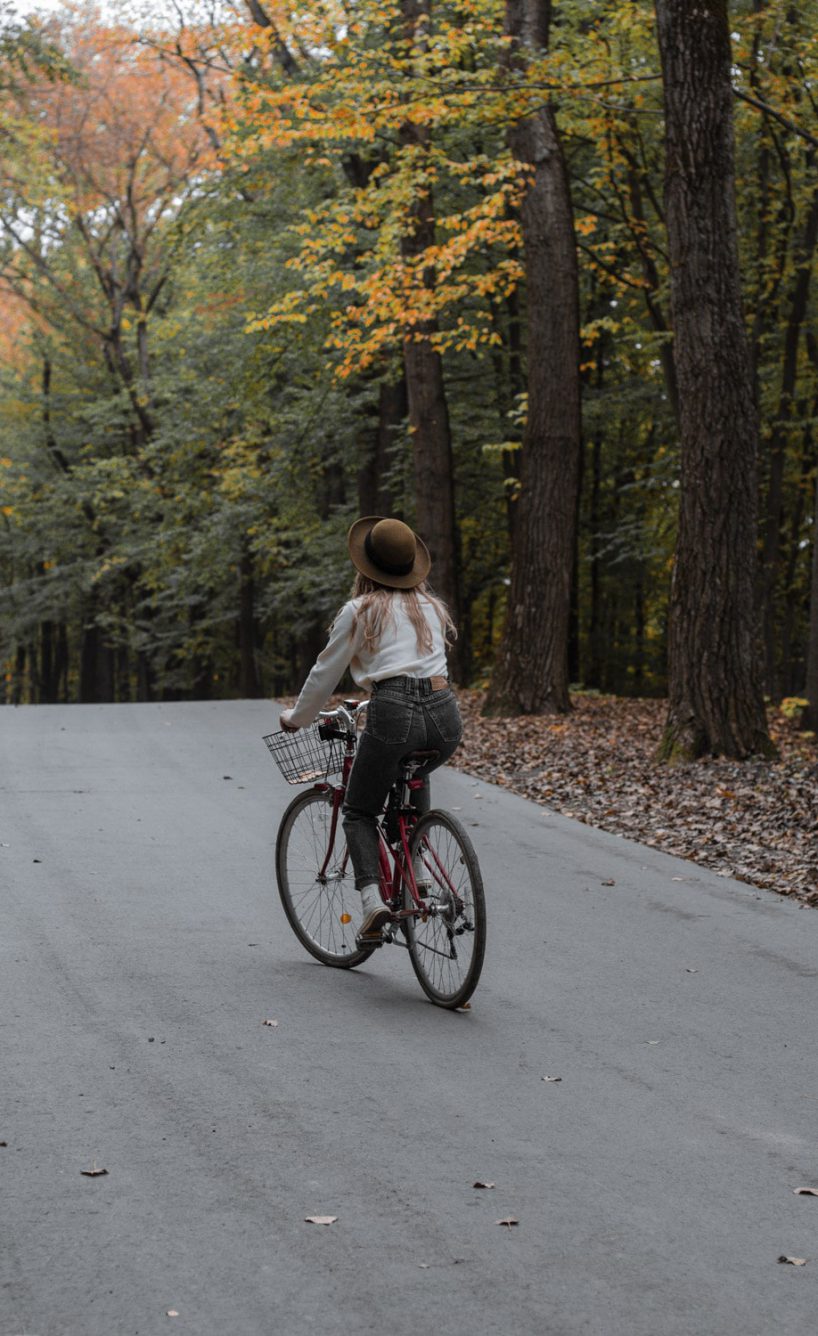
429,874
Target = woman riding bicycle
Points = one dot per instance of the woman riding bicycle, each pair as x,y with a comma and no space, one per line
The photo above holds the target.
392,635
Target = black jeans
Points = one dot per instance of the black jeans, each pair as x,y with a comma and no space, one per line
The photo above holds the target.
404,715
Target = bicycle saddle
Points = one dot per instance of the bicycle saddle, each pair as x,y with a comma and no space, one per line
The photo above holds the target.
419,756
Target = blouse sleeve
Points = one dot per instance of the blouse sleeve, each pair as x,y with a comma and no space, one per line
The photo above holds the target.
328,668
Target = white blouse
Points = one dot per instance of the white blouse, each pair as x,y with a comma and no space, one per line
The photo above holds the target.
397,655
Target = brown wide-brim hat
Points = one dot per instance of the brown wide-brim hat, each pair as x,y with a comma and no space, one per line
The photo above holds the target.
389,552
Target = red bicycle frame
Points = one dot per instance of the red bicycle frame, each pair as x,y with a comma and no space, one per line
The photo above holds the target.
395,866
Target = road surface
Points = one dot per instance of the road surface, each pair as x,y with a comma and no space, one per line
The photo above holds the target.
143,947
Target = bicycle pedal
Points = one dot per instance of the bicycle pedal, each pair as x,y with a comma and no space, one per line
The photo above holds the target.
368,942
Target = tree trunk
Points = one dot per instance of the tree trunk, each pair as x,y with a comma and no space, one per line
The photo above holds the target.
89,685
425,389
771,553
374,495
48,683
715,702
595,642
249,683
793,650
144,677
433,464
810,716
19,681
61,664
531,671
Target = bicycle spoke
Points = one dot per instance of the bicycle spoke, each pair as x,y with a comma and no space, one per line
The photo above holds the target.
447,946
324,910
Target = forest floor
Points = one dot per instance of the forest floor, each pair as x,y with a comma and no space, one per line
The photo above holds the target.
755,820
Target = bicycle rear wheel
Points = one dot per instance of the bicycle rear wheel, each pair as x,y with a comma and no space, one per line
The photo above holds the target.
324,912
447,946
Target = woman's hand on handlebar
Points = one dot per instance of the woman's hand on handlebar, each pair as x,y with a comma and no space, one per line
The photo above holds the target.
284,721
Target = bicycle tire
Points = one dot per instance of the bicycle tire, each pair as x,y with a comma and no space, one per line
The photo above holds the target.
448,978
314,910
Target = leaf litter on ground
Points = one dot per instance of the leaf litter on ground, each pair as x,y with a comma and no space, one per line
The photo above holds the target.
755,820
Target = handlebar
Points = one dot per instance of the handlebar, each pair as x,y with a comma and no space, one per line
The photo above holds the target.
347,713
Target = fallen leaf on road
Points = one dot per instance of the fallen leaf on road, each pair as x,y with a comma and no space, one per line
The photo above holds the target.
320,1219
610,882
227,776
480,1184
677,879
799,1192
274,1024
691,971
3,1143
651,1041
172,1313
550,1078
793,1261
508,1220
424,1266
93,1172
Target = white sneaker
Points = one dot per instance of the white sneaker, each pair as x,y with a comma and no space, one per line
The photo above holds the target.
376,914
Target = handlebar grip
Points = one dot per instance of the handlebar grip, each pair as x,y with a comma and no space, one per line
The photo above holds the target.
328,732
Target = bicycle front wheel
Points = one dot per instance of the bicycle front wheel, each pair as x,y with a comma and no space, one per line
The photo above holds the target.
323,907
448,944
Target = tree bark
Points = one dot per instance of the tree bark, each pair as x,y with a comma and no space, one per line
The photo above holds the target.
425,389
89,651
810,716
715,702
249,684
771,552
531,671
433,465
61,664
47,693
374,495
18,692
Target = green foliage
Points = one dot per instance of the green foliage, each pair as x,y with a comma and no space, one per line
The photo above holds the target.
174,499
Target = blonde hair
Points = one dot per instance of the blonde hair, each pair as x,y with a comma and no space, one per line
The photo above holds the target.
377,612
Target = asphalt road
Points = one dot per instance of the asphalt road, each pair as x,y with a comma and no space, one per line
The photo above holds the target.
142,948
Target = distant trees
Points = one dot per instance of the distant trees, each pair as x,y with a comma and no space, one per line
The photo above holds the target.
263,272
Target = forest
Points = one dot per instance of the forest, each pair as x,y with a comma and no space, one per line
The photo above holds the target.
519,274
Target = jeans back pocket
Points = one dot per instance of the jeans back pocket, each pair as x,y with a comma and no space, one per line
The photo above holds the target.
389,718
445,716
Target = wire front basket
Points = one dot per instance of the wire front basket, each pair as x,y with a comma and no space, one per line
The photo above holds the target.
305,756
